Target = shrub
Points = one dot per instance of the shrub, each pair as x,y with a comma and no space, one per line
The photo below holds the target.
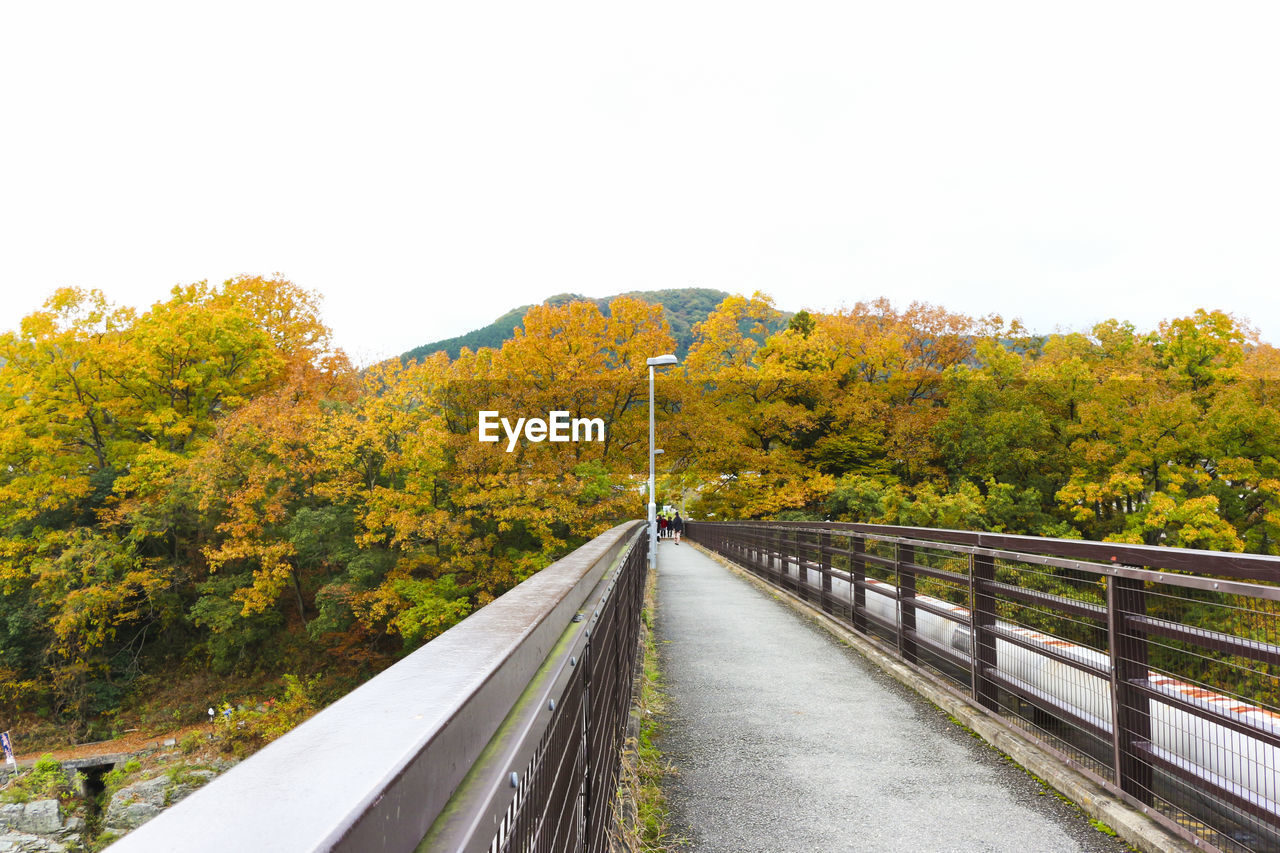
44,781
251,730
191,742
114,779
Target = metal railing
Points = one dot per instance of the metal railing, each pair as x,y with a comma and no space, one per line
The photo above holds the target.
1153,671
503,733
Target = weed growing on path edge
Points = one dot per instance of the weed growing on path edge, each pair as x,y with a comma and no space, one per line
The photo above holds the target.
1045,787
1102,827
643,819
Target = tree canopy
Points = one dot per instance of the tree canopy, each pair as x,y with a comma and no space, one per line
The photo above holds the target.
211,483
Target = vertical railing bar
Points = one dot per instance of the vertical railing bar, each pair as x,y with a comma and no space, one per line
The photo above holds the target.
793,557
1113,649
897,604
584,666
849,567
859,574
802,573
771,549
973,631
782,561
824,551
1131,709
903,555
983,617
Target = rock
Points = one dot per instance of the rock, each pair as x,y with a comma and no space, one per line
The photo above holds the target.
132,815
21,820
195,779
171,741
42,817
11,815
152,790
134,805
21,842
73,824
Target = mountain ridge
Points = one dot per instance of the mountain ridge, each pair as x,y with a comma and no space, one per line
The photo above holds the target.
683,308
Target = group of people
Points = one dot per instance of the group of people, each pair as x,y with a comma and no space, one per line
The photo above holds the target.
670,528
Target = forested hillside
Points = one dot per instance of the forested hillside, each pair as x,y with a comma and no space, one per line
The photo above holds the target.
209,487
683,308
491,336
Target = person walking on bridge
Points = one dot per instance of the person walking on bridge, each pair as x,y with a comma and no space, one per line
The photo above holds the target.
677,526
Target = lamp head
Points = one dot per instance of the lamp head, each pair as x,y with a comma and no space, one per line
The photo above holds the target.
662,360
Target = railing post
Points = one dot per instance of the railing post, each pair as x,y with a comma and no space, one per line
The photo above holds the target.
781,565
858,571
902,555
789,548
824,561
1131,709
801,574
982,618
765,555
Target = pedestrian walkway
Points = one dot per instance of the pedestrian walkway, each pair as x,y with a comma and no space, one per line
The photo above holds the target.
783,739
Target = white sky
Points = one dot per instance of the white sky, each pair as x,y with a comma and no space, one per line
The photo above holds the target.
427,166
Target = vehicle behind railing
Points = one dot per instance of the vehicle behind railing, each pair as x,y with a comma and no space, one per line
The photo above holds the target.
503,733
1153,671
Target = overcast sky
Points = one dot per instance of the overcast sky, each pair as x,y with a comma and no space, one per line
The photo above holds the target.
428,166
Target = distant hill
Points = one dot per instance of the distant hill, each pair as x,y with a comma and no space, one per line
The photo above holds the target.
491,336
684,307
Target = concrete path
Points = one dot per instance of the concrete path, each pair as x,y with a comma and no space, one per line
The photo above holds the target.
784,739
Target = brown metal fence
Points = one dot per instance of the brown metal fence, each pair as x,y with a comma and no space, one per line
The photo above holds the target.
1154,671
561,798
502,734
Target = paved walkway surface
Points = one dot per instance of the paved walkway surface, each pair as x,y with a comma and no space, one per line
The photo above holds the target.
784,739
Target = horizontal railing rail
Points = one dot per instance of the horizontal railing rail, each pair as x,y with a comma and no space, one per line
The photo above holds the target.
503,733
1154,671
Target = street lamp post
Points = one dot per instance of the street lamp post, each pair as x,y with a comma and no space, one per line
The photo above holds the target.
657,361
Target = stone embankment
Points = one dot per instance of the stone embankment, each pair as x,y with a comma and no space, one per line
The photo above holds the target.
134,805
111,795
37,827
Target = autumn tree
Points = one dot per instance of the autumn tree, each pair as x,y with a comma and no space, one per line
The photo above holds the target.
104,411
